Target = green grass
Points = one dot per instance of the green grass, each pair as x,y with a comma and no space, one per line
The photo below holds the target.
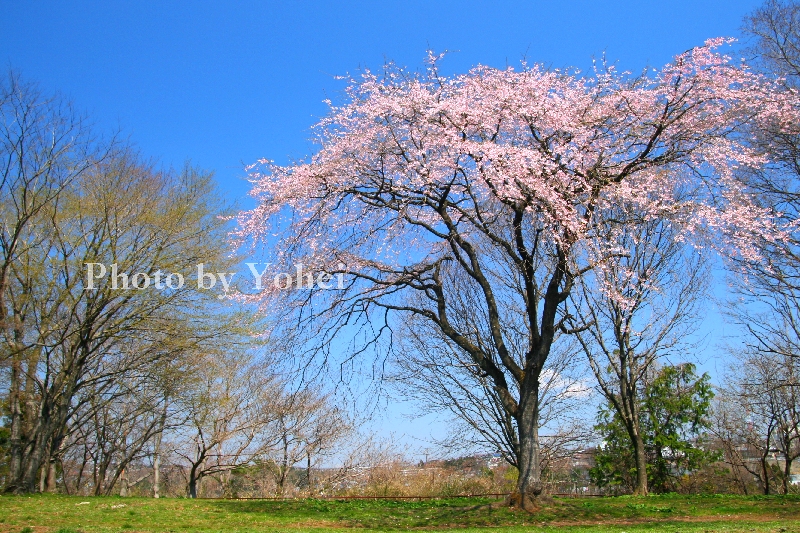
672,513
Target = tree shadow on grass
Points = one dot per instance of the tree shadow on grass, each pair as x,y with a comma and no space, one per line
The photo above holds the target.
384,514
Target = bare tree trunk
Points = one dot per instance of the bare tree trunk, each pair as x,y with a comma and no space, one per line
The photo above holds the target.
17,437
34,460
765,471
157,450
193,481
45,470
641,462
157,465
529,483
308,471
15,440
123,489
787,472
284,467
50,486
100,478
49,470
81,470
195,473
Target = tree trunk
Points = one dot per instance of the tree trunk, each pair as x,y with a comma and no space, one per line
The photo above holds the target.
100,477
46,435
641,462
123,489
193,482
49,470
529,483
157,465
50,485
157,450
15,439
787,472
284,467
308,472
81,470
765,472
46,428
33,461
45,470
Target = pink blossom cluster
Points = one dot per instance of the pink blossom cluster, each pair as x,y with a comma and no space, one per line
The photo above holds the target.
567,148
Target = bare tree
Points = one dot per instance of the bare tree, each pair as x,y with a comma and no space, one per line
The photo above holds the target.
744,448
756,420
775,28
762,416
228,412
119,429
769,289
307,426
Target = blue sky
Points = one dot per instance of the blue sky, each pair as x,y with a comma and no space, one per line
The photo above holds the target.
225,83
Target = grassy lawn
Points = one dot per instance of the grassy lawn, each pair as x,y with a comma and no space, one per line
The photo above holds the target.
674,514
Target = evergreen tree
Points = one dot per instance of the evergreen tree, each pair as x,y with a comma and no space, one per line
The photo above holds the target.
674,405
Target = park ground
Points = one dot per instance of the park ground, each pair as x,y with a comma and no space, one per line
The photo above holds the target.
670,513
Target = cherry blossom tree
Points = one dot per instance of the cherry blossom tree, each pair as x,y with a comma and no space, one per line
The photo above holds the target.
510,178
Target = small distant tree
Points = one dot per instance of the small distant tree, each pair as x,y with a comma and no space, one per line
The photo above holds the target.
307,426
228,412
675,407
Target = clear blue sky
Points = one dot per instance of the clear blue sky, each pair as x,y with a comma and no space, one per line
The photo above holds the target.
225,83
